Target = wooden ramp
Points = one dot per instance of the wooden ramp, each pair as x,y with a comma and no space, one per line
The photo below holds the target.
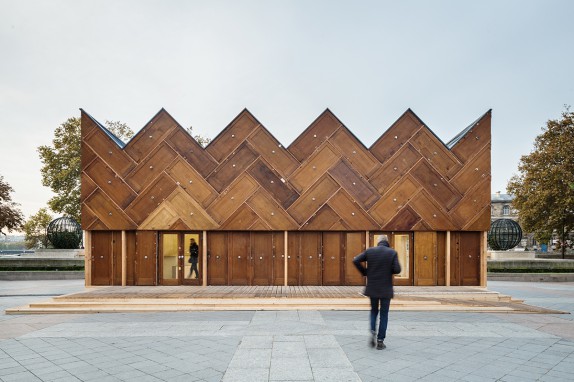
197,298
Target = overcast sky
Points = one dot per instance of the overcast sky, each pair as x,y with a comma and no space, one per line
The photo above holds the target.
286,61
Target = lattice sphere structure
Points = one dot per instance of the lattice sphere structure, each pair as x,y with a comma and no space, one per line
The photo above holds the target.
64,233
504,234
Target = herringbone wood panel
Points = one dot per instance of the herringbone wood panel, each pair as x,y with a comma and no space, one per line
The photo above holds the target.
408,180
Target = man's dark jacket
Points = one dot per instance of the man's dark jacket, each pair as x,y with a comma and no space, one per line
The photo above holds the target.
382,263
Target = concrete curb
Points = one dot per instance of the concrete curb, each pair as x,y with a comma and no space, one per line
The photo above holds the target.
41,275
531,277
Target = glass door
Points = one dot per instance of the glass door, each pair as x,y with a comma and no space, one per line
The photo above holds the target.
402,242
180,258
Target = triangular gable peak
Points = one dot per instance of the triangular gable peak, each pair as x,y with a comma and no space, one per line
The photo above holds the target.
313,136
110,135
472,139
233,135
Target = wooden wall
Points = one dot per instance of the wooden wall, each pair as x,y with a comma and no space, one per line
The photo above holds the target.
326,180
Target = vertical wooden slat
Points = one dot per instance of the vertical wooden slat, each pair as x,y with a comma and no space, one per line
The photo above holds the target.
286,249
124,258
447,262
483,264
204,261
87,258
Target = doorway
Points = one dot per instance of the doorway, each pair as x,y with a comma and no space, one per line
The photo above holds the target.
402,242
180,259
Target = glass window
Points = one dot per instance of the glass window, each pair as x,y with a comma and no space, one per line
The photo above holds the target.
506,210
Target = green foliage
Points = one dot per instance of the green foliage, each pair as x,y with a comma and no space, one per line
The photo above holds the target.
35,229
62,164
203,141
61,168
11,217
542,192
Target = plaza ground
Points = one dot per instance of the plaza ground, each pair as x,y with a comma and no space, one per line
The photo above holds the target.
286,345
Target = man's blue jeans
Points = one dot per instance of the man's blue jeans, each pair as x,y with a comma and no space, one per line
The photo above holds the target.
384,320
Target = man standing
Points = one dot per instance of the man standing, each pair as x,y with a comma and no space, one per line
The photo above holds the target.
382,263
193,258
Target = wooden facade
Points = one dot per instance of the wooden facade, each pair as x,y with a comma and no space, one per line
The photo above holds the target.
265,214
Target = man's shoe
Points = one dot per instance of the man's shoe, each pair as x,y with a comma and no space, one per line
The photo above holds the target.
380,345
373,341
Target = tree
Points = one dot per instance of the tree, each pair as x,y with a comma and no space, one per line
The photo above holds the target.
35,229
61,164
203,141
11,217
542,190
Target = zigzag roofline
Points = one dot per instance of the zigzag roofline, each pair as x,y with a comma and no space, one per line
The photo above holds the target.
449,145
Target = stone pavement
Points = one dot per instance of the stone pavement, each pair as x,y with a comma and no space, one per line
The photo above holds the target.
286,345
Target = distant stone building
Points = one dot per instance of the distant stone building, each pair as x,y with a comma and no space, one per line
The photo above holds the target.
501,208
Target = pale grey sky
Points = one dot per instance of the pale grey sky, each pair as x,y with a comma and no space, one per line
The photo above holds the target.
286,61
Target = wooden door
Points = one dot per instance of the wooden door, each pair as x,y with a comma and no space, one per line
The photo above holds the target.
239,258
217,258
145,258
117,257
425,254
101,257
294,258
470,258
130,257
331,255
278,258
455,266
354,244
310,252
262,258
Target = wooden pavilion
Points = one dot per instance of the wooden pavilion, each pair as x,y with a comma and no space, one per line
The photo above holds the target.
265,214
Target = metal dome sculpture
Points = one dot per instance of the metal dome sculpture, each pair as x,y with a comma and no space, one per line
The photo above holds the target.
64,233
504,234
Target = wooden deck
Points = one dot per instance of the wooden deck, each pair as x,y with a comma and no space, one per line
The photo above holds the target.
313,292
117,299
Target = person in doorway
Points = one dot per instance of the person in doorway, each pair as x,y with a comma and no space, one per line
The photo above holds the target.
193,258
382,263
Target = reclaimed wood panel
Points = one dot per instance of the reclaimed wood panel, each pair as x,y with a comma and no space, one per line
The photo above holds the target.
396,136
233,166
273,183
407,179
475,170
314,168
235,196
148,169
394,200
354,152
192,182
435,185
435,153
351,212
112,184
310,201
325,217
273,152
151,198
109,152
271,212
151,136
313,137
232,136
192,152
108,212
395,168
477,137
354,184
